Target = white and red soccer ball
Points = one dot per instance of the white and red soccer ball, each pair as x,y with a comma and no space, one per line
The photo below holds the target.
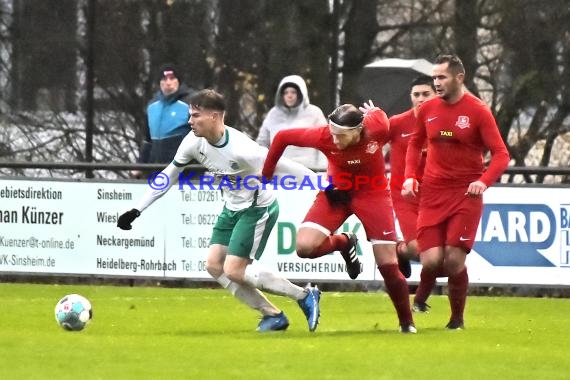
73,312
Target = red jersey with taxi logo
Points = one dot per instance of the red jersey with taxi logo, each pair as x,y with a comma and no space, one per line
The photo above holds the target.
401,129
457,136
358,167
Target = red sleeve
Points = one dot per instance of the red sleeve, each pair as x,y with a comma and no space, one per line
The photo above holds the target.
377,122
302,137
415,147
494,142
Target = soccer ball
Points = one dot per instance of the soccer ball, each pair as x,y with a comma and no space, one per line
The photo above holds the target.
73,311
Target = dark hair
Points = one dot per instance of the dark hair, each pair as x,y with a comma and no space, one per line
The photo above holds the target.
454,62
208,99
347,115
291,85
423,80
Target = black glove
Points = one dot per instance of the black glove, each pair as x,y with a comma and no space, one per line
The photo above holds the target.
125,220
337,196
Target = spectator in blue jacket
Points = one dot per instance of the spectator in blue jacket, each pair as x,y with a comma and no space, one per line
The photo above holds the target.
167,119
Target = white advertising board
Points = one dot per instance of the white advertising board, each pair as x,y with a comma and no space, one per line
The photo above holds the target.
70,228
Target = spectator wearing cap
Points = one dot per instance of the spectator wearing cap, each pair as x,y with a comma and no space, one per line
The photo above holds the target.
293,109
167,118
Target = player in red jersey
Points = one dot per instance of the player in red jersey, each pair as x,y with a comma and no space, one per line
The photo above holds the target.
401,129
352,143
458,128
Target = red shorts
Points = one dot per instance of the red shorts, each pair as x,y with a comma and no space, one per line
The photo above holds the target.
407,213
373,207
448,217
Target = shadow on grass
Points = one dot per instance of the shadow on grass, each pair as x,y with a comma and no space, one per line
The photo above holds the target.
296,334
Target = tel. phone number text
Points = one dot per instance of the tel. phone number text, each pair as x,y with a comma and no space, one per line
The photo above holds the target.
200,219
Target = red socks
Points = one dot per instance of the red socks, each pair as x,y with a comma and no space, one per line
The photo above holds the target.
426,285
398,291
457,294
330,244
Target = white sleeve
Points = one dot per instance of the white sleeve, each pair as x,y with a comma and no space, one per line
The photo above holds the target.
156,189
187,150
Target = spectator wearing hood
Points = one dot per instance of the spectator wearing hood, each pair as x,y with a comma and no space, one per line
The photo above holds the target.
293,110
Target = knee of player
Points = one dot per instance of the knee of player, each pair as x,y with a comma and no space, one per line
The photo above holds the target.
304,249
305,253
452,267
305,245
430,264
214,269
234,274
413,250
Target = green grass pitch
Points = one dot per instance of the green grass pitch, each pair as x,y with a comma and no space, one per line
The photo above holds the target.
162,333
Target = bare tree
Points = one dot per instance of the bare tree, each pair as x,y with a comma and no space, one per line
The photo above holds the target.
536,67
387,28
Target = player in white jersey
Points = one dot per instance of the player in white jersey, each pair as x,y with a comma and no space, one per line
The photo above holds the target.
250,211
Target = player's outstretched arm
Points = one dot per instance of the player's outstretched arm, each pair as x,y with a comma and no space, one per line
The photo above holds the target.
159,184
301,137
167,177
286,166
